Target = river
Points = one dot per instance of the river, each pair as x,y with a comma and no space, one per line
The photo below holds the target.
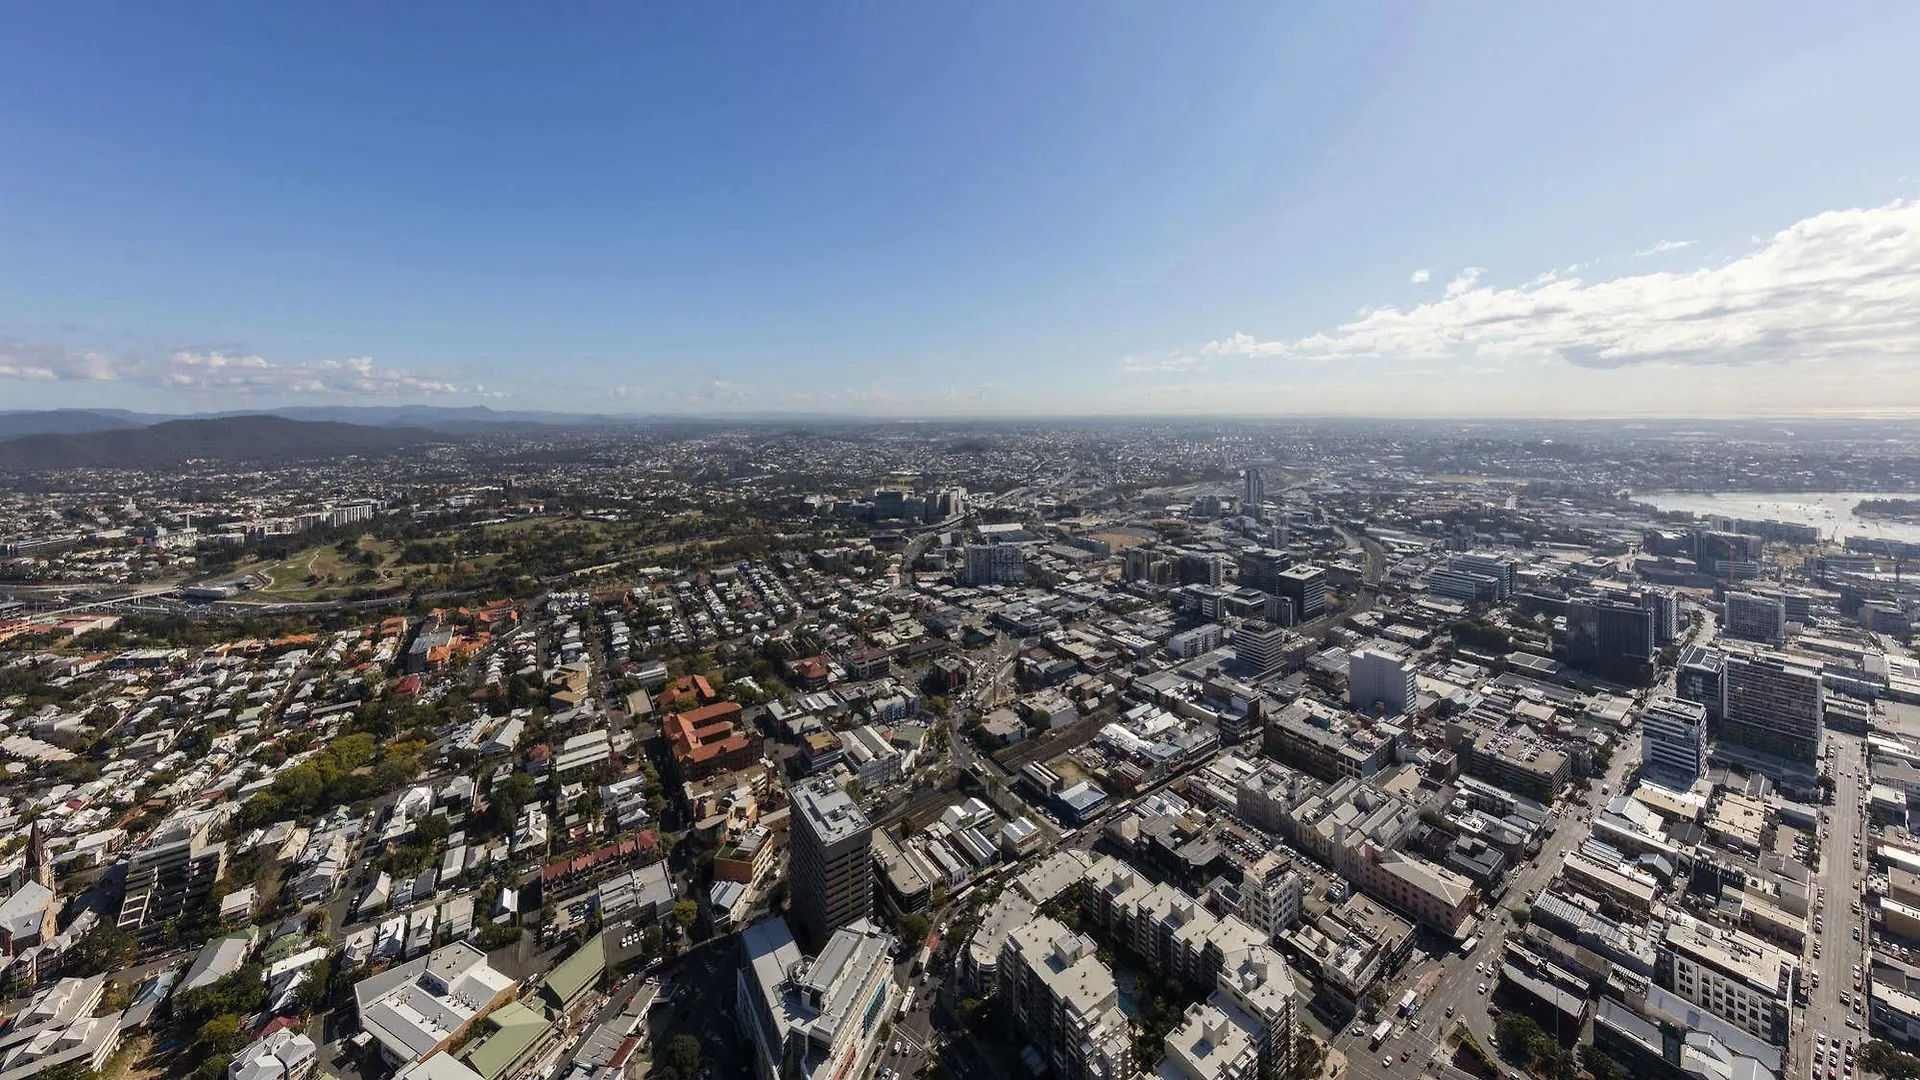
1829,511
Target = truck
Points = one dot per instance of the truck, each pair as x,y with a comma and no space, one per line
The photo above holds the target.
1406,1003
1467,946
1380,1033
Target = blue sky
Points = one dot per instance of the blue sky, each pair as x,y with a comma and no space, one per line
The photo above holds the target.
963,209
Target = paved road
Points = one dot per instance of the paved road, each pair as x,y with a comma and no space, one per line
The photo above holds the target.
1839,875
1458,983
910,1043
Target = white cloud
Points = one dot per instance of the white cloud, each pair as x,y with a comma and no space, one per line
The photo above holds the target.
1421,276
38,362
1663,247
213,370
1460,285
1144,365
1839,286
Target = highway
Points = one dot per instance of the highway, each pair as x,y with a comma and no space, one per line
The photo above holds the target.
147,593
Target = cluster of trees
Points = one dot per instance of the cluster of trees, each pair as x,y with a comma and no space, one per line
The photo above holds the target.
506,800
914,929
1309,1054
1483,636
1159,1016
325,780
212,1021
102,950
1523,1040
1883,1058
1483,1062
24,680
677,1058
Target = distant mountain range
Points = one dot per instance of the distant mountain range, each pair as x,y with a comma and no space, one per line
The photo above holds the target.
171,443
469,420
69,422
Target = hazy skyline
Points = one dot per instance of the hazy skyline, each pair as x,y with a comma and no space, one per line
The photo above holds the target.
993,209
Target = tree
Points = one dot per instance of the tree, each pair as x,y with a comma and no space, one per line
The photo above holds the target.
913,929
312,995
1600,1064
1309,1054
517,791
679,1058
973,1013
103,950
433,827
1881,1057
1522,914
221,1035
684,914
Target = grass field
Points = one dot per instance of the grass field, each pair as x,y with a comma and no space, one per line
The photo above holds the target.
321,572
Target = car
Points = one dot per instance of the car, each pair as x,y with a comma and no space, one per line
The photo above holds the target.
1483,988
1449,1010
1404,1055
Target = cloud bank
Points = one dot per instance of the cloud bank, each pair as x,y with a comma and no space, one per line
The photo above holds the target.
1839,286
190,370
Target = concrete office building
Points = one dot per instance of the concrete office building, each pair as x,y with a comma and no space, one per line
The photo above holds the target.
1261,646
1201,568
1464,586
1609,638
1775,705
1756,618
1306,586
1673,737
992,564
1254,501
819,1017
1730,973
1664,603
1702,677
1261,569
831,864
1151,567
1501,568
1726,555
1379,679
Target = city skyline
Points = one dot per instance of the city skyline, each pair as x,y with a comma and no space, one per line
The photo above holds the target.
1080,211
